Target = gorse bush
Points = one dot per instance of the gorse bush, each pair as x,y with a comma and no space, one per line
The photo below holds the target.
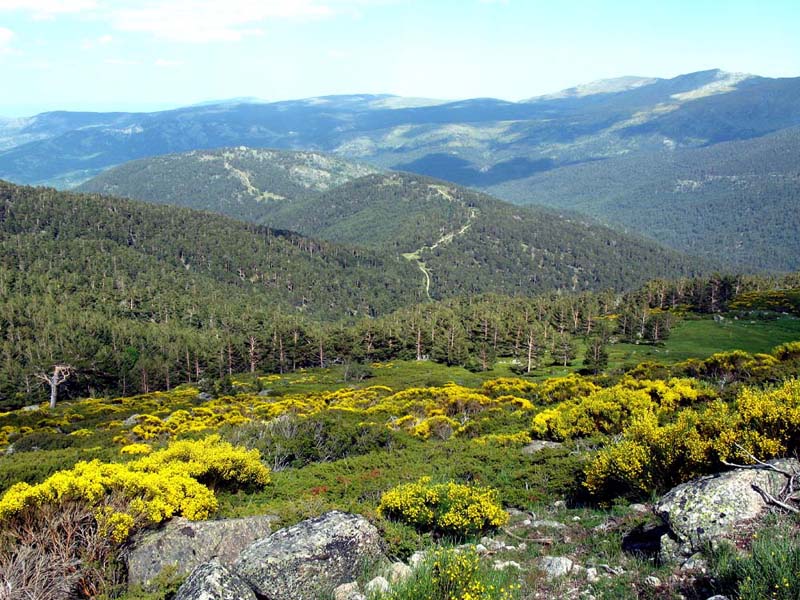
611,410
650,456
110,501
449,574
447,508
146,491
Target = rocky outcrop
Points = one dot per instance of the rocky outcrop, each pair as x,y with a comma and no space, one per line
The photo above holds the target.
213,581
183,545
708,509
299,562
539,445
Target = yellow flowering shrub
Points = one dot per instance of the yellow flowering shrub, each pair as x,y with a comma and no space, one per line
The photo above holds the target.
606,411
212,461
145,491
549,391
761,423
449,508
456,574
136,449
146,498
788,351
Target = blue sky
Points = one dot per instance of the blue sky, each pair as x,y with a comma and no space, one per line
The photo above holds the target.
128,55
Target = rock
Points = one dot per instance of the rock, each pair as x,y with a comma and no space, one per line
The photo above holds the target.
491,544
705,510
298,562
399,571
555,566
419,557
348,591
718,597
539,445
31,408
652,581
545,524
204,396
379,584
481,549
213,581
132,420
591,575
502,565
264,393
559,504
695,562
184,545
638,508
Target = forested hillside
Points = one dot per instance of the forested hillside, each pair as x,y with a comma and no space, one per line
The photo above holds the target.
735,200
244,183
462,241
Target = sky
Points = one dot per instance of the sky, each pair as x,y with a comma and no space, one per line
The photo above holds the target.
149,55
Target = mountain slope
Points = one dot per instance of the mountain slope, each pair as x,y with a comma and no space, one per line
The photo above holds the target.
478,142
141,253
735,200
243,183
461,241
468,242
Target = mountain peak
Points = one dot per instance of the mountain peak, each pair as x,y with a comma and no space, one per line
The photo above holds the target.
600,86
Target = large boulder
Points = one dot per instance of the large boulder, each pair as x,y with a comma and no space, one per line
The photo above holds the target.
303,561
213,581
705,510
182,545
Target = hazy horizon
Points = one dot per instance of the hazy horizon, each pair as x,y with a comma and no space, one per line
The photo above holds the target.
144,56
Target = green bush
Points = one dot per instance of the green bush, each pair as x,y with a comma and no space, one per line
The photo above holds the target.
293,441
769,570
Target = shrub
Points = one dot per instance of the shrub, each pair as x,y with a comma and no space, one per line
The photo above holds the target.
649,456
447,508
768,571
450,574
210,461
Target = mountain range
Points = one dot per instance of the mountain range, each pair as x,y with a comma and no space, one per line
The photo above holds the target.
650,156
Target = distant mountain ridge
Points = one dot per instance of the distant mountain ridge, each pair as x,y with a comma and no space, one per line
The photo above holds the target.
460,141
735,200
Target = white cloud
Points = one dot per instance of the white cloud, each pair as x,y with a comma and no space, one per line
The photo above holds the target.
103,40
47,9
212,20
167,63
6,35
121,62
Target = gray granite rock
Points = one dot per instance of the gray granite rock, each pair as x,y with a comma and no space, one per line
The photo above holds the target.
299,562
213,581
555,566
184,545
539,445
708,509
